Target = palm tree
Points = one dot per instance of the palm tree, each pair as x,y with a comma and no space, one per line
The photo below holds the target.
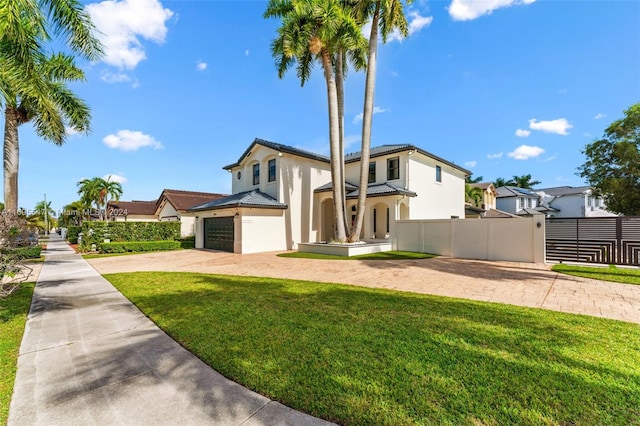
389,16
74,213
317,30
100,192
474,180
524,181
502,182
32,83
472,194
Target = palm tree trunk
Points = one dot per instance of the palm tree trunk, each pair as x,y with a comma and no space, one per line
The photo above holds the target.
340,93
367,117
11,154
334,146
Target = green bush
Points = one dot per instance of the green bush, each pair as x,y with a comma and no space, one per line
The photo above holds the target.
136,246
72,233
97,232
188,242
32,252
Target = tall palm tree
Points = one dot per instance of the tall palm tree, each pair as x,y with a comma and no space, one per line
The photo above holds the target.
100,192
524,181
316,30
32,83
386,16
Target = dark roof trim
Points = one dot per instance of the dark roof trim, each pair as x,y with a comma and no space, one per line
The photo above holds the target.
248,199
277,147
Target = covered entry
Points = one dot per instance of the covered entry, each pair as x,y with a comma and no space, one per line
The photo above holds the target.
218,233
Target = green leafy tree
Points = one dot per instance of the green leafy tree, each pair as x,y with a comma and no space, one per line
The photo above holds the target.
33,83
386,16
524,181
612,167
315,31
472,194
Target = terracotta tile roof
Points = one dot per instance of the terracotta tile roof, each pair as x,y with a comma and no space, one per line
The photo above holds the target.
135,207
184,200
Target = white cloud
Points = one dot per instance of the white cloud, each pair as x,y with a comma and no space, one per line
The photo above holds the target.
112,177
201,65
494,156
376,110
118,77
246,52
416,23
598,116
122,24
70,131
351,139
521,133
470,163
553,157
524,152
559,126
466,10
129,140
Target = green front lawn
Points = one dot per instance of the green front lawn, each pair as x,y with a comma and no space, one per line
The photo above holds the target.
367,356
385,255
13,317
611,273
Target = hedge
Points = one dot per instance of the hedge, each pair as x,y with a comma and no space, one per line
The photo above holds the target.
188,242
72,233
97,232
32,252
136,246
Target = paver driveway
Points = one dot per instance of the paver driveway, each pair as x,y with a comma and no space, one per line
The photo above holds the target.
524,284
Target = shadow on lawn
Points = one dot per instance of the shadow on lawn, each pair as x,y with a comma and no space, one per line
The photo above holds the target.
362,356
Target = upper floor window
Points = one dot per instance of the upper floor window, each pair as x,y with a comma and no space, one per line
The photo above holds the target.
438,174
393,168
520,203
256,174
372,172
272,170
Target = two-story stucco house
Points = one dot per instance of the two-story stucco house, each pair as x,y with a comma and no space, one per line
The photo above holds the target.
282,196
568,201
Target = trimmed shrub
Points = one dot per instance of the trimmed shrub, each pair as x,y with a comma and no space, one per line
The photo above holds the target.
188,242
138,246
32,252
72,233
97,232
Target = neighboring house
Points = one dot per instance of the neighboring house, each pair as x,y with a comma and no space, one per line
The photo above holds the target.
518,201
567,201
132,211
489,195
173,204
282,196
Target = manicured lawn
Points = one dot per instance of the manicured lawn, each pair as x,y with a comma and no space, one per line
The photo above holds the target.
386,255
13,316
98,255
611,273
366,356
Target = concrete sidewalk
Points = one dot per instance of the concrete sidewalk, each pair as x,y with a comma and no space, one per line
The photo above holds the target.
89,356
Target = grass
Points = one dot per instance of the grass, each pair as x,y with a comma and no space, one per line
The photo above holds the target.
386,255
612,273
13,317
98,255
363,356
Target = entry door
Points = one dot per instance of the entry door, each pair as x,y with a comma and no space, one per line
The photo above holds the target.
218,233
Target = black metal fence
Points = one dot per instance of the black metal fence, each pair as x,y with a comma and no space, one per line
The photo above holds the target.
608,240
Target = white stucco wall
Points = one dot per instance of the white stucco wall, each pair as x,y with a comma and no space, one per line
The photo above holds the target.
476,238
168,213
187,224
135,218
435,200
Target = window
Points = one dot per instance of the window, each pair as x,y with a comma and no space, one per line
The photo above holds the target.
387,220
520,203
375,220
239,175
256,174
272,170
372,172
393,168
438,174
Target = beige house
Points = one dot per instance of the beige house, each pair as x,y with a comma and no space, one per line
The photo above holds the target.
282,196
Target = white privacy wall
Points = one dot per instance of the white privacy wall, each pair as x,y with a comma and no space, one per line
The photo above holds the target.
515,240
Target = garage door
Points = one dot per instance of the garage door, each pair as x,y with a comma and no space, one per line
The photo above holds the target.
218,233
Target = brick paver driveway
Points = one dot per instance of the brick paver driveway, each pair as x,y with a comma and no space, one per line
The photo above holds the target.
523,284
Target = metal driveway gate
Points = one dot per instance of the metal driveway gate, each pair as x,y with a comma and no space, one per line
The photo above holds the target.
608,240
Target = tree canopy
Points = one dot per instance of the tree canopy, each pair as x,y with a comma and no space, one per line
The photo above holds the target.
523,181
612,167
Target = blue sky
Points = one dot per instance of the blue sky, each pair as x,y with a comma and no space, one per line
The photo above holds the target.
501,87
